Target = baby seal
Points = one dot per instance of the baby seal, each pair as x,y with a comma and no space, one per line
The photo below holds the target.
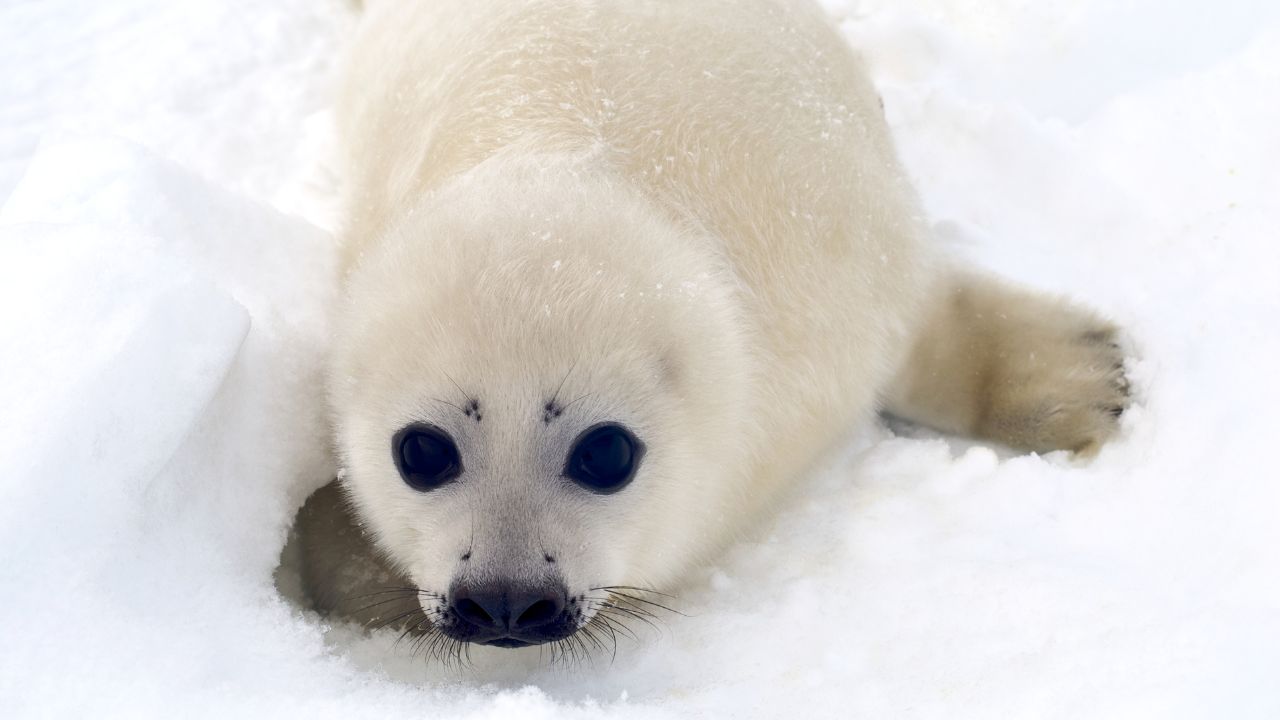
615,274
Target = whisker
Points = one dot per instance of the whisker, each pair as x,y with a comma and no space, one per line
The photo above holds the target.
637,589
407,631
632,598
394,589
440,647
557,651
426,645
370,606
632,607
586,651
446,402
556,395
616,625
577,400
397,617
613,638
455,384
421,639
384,591
627,612
586,631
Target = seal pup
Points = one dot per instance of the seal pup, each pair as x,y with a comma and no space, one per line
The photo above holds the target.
615,274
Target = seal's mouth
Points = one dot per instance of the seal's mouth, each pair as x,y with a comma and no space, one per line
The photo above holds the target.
508,642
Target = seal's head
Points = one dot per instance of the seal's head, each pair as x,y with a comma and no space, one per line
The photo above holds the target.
538,390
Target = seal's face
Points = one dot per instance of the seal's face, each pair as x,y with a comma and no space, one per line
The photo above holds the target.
536,410
507,494
509,596
524,493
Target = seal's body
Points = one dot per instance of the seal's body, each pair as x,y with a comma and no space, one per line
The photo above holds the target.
617,272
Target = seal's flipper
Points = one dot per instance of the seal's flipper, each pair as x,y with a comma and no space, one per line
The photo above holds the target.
1025,369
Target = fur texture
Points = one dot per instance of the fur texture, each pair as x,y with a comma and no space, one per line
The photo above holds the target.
684,216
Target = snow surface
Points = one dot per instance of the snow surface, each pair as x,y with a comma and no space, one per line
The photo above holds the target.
164,176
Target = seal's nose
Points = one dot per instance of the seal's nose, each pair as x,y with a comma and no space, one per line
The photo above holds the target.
508,610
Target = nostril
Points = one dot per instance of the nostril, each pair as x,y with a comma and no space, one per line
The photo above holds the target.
539,613
471,611
542,611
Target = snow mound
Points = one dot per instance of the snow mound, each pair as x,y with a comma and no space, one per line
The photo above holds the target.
167,342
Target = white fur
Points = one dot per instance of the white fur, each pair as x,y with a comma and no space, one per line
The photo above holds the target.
690,214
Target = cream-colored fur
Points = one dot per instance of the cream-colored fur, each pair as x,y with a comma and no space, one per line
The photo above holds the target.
684,216
1012,366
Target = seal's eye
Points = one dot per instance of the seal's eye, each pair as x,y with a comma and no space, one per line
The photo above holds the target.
426,457
604,458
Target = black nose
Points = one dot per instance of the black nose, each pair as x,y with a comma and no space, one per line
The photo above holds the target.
504,611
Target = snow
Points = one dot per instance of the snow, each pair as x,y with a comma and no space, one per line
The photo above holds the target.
164,192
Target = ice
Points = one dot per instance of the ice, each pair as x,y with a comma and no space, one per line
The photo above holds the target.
162,330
